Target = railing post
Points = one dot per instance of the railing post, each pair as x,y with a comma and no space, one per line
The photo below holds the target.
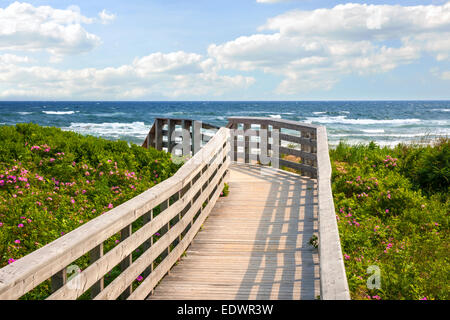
94,255
170,138
147,244
59,279
158,134
125,233
275,148
186,136
166,228
246,143
263,156
196,136
234,128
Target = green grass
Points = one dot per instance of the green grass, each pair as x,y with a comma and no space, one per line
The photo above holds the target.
392,207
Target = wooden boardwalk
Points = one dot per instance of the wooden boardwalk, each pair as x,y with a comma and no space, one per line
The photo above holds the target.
254,244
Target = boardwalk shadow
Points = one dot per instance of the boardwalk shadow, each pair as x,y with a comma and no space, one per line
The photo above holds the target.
287,268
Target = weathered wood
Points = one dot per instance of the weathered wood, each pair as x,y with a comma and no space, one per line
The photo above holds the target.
115,287
186,127
282,123
59,279
171,134
246,141
125,263
196,136
123,249
298,153
94,255
158,134
295,139
142,291
333,280
270,256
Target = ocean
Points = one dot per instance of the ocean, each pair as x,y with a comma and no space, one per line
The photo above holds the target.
385,122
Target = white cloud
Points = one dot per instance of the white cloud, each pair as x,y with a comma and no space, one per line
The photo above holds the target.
25,27
445,75
106,17
314,49
171,75
8,58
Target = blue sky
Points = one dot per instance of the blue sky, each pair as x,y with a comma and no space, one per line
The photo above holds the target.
224,50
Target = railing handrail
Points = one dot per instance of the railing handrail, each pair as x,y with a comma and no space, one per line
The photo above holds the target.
333,279
306,139
26,273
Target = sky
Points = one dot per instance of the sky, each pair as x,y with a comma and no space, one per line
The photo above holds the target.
224,50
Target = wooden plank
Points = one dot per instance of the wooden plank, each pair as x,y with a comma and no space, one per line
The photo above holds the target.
158,134
59,279
298,153
333,280
246,140
96,254
196,136
186,136
282,123
127,261
247,243
297,166
295,139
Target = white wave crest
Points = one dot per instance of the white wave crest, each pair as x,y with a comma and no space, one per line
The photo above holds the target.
111,129
441,110
59,112
344,120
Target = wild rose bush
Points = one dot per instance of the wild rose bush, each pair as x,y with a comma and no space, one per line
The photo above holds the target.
392,208
52,181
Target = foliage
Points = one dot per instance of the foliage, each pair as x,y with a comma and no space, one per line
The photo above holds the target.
392,208
52,181
225,190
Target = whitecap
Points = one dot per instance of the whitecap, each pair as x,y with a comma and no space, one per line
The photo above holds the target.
24,113
115,130
441,110
112,114
373,130
59,112
319,112
344,120
275,116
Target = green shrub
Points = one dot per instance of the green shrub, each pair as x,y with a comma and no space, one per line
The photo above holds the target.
392,208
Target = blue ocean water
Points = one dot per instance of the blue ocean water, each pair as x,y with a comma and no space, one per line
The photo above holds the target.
385,122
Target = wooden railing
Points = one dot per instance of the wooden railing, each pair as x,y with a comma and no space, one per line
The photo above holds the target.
275,138
190,134
184,202
333,280
309,144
